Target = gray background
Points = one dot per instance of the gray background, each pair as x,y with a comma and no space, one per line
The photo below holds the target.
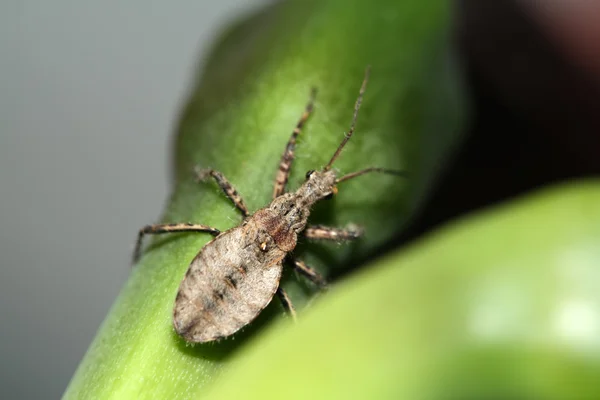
89,96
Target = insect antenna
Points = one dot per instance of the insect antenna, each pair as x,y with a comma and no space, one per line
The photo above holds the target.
351,131
371,169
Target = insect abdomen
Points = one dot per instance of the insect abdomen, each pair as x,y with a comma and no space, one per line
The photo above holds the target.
224,289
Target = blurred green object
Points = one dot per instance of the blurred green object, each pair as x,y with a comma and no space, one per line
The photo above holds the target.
247,101
501,305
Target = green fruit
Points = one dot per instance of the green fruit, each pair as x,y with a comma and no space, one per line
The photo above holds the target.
501,305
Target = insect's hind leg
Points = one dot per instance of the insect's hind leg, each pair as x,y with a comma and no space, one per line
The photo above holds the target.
287,303
320,232
225,185
310,273
288,155
158,229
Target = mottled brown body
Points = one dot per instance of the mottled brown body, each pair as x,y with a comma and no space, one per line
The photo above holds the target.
235,276
228,284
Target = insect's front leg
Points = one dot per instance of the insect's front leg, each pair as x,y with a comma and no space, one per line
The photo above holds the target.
158,229
320,232
288,155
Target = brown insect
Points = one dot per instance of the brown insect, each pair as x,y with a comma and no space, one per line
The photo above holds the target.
235,276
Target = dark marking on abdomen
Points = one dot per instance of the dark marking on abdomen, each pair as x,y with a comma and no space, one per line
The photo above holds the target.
231,281
218,295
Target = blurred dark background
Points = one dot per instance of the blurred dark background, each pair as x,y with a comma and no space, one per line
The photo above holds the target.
90,96
533,72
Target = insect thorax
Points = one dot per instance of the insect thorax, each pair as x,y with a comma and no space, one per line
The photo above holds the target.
288,214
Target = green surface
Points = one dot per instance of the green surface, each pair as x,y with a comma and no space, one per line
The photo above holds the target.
247,101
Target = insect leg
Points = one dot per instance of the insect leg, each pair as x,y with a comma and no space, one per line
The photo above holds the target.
327,233
286,302
228,189
158,229
288,155
310,273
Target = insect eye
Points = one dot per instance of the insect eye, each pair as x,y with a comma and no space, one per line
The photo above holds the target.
309,173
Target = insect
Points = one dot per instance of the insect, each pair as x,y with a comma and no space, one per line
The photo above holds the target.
236,275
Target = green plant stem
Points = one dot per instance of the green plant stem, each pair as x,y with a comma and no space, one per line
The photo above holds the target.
247,101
